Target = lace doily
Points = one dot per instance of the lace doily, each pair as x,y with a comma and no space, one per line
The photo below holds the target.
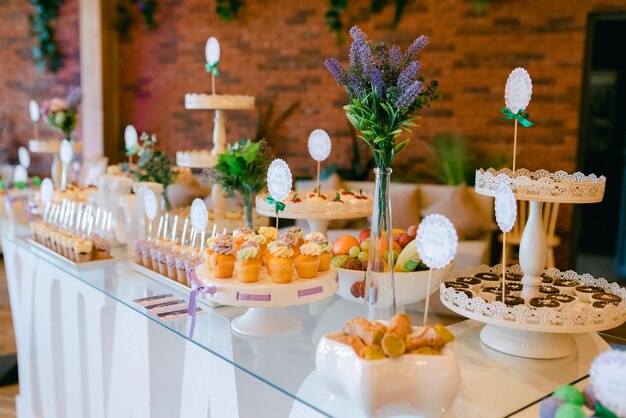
579,315
542,185
348,208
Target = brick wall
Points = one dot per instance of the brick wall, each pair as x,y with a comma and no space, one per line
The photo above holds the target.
20,81
275,51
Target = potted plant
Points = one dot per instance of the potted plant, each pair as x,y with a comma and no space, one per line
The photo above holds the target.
242,168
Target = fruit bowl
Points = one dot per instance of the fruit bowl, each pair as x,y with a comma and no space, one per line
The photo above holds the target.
411,286
416,384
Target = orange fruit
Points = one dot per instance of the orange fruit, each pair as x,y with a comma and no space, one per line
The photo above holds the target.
342,245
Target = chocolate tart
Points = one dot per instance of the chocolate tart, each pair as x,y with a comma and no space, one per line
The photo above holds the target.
562,298
488,279
513,277
584,292
510,300
607,298
548,290
542,302
512,288
456,286
490,293
566,286
545,279
472,282
599,304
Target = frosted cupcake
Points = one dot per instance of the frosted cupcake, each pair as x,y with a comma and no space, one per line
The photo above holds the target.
208,251
297,232
223,259
327,249
82,250
291,240
248,264
241,235
308,262
261,241
269,232
280,261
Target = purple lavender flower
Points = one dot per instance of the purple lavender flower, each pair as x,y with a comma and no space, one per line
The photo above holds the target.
354,86
395,56
361,57
357,34
74,97
415,48
337,70
378,81
408,76
409,96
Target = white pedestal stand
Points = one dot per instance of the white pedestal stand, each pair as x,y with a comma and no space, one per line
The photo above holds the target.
265,321
53,147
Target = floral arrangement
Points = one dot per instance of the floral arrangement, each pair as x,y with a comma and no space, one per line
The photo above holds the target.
385,88
242,168
62,114
152,165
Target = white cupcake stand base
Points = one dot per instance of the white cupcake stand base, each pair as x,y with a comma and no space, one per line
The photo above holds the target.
266,300
529,344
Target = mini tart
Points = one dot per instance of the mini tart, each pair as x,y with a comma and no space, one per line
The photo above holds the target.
223,265
599,304
584,292
513,288
548,290
542,302
490,293
606,297
469,293
510,300
562,298
488,279
513,277
566,286
247,271
545,279
456,286
473,283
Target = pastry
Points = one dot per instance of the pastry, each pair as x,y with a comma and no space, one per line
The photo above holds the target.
513,277
544,302
513,288
435,336
473,283
563,299
308,262
355,342
223,258
599,304
297,232
606,297
370,332
489,279
584,293
510,300
242,234
291,240
280,261
327,249
456,286
248,264
490,293
393,344
545,279
83,250
566,286
400,324
548,290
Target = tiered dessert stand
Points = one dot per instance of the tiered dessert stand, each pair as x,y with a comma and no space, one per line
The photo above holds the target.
317,215
522,330
266,300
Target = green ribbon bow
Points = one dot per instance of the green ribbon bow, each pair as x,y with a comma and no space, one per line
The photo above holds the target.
280,206
212,68
521,116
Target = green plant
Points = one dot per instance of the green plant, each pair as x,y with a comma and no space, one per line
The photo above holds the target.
228,9
153,165
454,162
124,20
242,168
62,114
42,26
268,126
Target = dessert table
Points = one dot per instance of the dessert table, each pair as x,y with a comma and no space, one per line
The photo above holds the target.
86,349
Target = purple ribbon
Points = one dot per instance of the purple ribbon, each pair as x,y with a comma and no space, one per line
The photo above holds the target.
192,306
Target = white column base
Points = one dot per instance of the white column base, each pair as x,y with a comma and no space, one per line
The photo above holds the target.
529,344
265,322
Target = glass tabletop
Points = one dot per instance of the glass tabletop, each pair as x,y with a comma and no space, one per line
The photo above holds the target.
287,362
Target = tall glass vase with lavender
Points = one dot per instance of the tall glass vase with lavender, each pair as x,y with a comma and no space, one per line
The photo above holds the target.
385,88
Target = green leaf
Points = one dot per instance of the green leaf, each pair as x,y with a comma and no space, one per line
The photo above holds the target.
401,146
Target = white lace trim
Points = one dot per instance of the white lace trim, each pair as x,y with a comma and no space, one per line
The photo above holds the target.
543,183
579,314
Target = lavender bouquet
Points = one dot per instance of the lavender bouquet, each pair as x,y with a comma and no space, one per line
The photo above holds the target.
62,114
385,88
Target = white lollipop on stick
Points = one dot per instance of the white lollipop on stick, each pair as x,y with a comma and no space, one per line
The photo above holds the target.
506,213
212,52
130,140
279,182
33,109
319,149
517,93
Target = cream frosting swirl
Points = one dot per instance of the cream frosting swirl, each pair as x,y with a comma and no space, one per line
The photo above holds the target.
243,232
311,249
259,239
289,238
224,247
269,232
297,231
280,249
250,243
314,236
247,253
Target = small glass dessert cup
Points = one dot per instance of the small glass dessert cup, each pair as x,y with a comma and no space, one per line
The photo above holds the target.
171,257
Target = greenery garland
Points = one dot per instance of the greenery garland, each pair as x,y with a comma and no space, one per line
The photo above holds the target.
147,8
45,51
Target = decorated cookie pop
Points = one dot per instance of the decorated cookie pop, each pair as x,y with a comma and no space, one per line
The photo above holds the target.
212,53
279,181
517,92
319,149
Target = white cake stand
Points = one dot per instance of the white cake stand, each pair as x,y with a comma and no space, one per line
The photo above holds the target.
526,331
318,221
266,300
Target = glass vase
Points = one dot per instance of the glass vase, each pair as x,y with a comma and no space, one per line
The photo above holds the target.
380,297
248,204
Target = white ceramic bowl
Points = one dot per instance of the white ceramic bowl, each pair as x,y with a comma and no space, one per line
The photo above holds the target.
411,286
423,385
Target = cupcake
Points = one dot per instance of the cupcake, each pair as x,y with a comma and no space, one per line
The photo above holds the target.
248,264
456,286
566,286
297,232
545,279
563,299
223,259
548,290
327,248
314,236
291,240
208,251
489,279
269,232
544,302
513,288
308,262
473,283
584,293
82,250
280,261
261,241
242,234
